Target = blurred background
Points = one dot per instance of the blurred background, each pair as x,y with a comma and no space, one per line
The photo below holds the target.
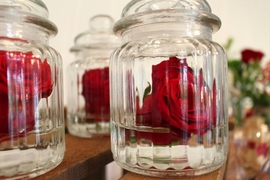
247,22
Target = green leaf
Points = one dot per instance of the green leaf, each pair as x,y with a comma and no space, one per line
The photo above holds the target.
147,90
228,45
133,139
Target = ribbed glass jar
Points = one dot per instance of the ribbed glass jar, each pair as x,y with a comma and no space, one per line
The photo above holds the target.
88,79
168,90
32,139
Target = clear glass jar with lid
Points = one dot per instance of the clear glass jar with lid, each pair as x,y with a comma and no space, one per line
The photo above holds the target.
88,107
32,139
168,90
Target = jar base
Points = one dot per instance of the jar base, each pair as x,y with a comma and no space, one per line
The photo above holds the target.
34,155
151,152
33,174
85,128
170,173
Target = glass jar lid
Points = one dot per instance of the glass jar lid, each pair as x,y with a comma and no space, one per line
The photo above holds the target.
99,36
138,13
35,7
34,13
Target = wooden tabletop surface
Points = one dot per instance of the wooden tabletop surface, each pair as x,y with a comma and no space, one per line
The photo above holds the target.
83,157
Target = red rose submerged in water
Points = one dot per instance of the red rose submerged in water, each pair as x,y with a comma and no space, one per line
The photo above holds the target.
19,116
249,55
24,80
179,100
96,91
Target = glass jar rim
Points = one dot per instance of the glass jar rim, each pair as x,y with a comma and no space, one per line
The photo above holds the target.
167,16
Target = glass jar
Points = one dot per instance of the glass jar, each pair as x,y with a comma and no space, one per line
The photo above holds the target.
32,139
88,86
168,90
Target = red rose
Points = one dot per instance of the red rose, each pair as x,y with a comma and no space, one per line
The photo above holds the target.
17,117
28,75
179,98
95,89
249,55
24,79
3,74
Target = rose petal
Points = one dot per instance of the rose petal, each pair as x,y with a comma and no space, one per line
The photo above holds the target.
95,89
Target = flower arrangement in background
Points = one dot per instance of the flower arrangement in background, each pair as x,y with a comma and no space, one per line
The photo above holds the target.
250,79
249,88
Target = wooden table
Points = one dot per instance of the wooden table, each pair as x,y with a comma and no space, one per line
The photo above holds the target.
86,158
